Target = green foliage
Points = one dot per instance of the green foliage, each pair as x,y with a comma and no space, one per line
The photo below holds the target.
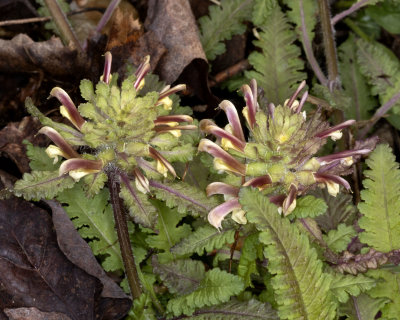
301,287
337,98
387,15
38,158
43,11
387,287
181,276
381,201
222,23
216,287
304,14
141,309
354,83
337,240
247,263
185,197
277,66
168,233
309,206
262,10
344,286
362,307
94,183
94,219
42,184
204,238
237,310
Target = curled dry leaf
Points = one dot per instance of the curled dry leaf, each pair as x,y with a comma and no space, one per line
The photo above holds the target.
33,314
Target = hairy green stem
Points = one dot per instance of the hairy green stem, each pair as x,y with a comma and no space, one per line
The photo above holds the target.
352,9
66,32
123,235
329,43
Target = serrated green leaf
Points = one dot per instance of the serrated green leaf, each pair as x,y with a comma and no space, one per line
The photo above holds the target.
87,90
309,207
247,262
262,9
354,83
301,288
204,238
222,22
181,276
94,183
185,197
39,160
388,288
237,310
216,287
94,219
168,233
344,286
381,201
142,309
42,184
277,66
337,98
337,240
362,307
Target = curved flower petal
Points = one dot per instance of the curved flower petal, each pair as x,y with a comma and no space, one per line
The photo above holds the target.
222,188
328,179
173,118
233,118
342,155
167,91
216,215
223,157
142,183
64,146
141,72
258,182
289,204
251,106
107,67
163,164
78,168
331,131
295,94
68,108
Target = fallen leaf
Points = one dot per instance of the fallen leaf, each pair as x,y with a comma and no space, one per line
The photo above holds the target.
33,314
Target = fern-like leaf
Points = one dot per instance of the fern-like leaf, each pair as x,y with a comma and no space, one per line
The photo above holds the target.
94,183
181,276
338,239
39,160
185,197
381,201
344,286
354,83
309,207
237,310
362,307
169,234
42,184
204,238
262,10
216,287
222,23
94,220
388,288
247,262
277,66
301,288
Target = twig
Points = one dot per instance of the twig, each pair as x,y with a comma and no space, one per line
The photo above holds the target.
308,49
230,72
66,32
329,43
345,13
379,114
107,15
123,235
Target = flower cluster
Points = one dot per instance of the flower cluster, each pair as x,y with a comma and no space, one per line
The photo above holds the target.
122,128
278,158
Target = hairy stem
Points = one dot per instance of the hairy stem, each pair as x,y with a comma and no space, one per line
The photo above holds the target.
123,235
66,32
329,43
349,11
107,14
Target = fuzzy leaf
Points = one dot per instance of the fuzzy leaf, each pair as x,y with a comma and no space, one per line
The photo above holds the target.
222,22
381,201
94,219
141,309
216,287
247,263
204,238
389,288
354,83
304,14
309,206
277,66
39,160
180,276
301,288
182,153
169,234
340,210
337,98
338,239
185,197
42,184
262,10
94,183
362,307
140,208
237,310
344,286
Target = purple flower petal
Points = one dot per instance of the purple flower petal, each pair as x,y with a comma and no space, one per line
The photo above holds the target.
218,214
233,118
326,133
107,67
59,141
209,127
222,188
